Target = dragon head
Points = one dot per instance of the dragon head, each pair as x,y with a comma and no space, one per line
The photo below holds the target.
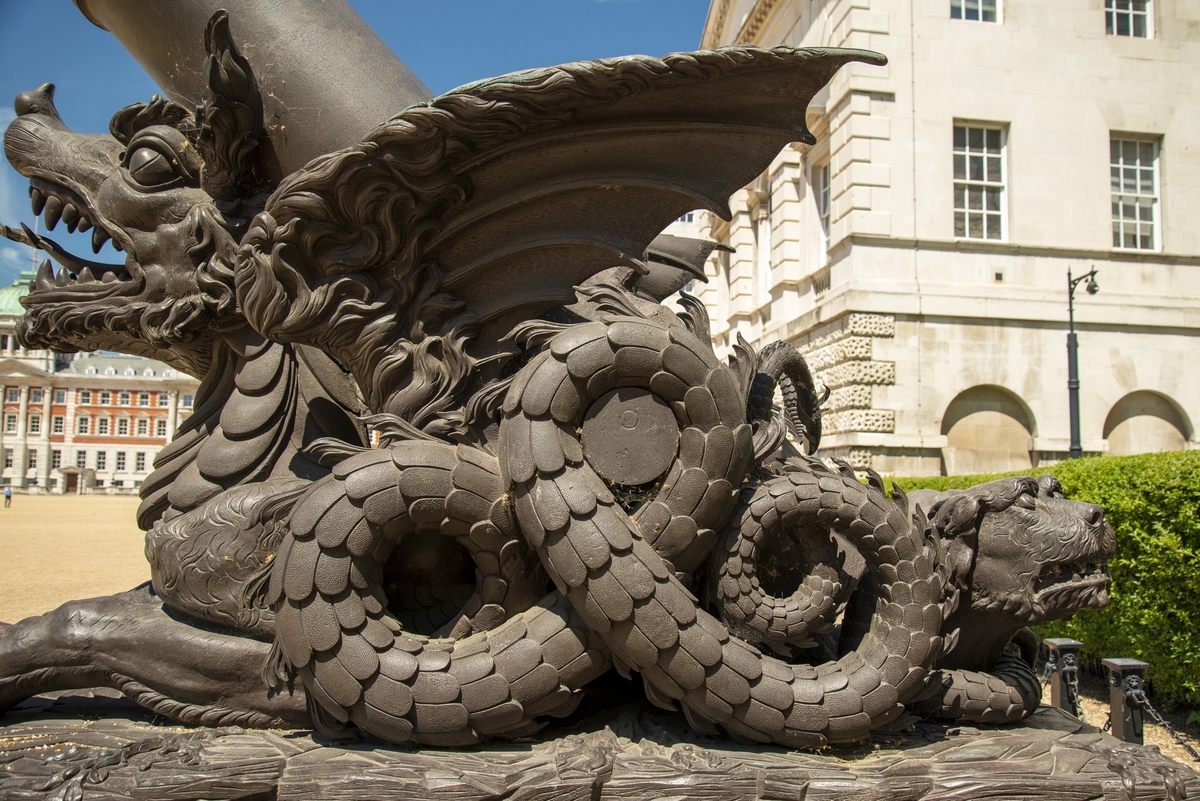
1019,553
171,188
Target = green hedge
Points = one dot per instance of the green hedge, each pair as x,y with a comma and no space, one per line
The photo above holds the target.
1153,502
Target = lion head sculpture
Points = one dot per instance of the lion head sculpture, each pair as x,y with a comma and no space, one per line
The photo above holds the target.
1019,553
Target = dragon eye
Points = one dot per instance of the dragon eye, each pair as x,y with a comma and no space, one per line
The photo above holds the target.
150,168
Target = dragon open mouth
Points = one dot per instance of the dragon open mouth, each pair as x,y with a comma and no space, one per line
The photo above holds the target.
53,204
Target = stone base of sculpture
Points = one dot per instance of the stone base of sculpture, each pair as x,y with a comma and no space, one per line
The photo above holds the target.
85,746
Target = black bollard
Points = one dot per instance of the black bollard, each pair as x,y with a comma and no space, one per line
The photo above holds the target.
1126,698
1064,684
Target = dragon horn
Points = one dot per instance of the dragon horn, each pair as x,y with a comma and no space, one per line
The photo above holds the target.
325,77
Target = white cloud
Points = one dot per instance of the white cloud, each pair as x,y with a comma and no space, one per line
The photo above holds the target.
13,259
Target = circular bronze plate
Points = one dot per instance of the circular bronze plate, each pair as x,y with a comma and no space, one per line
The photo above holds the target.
630,436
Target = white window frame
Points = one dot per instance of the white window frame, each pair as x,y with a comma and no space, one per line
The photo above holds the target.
823,194
1131,12
57,424
160,428
965,184
963,9
34,425
83,425
1119,172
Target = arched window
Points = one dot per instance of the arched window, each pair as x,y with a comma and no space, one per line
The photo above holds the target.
1145,422
988,430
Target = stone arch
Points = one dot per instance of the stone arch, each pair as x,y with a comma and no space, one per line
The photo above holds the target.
988,429
1146,422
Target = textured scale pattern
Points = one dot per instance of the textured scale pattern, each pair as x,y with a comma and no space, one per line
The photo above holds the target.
618,575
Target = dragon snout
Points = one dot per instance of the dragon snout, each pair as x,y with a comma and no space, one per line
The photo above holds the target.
39,101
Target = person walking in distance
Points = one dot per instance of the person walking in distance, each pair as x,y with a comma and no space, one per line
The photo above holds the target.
7,497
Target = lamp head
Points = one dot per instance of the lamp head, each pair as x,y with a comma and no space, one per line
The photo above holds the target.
1092,287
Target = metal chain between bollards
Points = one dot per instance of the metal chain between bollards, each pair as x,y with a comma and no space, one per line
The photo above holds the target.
1138,696
1072,682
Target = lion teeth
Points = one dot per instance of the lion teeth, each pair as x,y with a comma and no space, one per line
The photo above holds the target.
53,212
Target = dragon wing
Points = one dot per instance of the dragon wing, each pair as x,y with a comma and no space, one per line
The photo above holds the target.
486,206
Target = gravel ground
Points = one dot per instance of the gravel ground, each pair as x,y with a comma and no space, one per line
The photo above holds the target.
1093,695
55,548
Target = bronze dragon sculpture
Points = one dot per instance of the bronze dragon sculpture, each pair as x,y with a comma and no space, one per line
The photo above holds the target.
476,266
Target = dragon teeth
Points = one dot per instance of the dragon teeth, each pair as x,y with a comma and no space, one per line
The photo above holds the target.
99,237
53,212
85,276
45,276
37,200
71,216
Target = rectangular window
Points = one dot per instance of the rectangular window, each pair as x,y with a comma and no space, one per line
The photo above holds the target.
160,428
139,462
144,399
31,460
978,182
822,190
1134,192
55,459
81,459
977,10
84,425
143,427
123,398
101,460
35,424
123,427
1127,17
187,401
105,398
10,424
60,396
8,457
163,400
102,425
14,395
689,217
85,396
120,460
57,424
36,395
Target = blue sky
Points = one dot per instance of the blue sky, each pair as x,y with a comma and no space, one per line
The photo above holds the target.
445,42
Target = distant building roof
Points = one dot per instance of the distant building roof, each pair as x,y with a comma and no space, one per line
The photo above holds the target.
10,296
114,364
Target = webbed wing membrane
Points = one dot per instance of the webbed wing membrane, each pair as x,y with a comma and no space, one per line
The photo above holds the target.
507,193
611,152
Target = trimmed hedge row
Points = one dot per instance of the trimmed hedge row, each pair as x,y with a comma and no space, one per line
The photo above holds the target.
1153,502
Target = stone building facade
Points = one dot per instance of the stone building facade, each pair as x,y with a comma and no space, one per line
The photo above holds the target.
918,254
90,424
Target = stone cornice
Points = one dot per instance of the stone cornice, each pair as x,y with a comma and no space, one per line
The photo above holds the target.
714,26
718,21
1015,249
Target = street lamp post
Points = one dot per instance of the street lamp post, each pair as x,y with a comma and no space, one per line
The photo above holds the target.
1073,355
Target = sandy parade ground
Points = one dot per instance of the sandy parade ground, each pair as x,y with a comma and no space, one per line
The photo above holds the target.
55,548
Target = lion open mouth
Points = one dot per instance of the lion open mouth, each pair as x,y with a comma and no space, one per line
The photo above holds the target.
54,203
1068,586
